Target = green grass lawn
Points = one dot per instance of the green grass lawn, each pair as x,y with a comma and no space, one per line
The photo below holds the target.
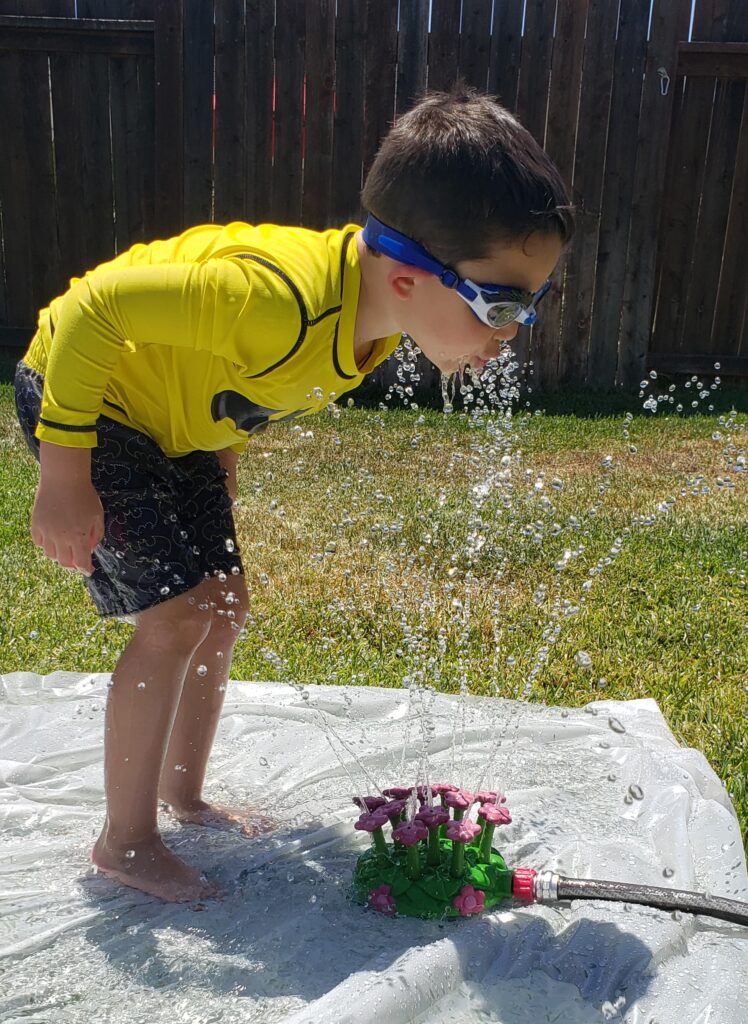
372,554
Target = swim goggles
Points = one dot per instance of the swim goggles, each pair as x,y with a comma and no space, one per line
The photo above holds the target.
495,304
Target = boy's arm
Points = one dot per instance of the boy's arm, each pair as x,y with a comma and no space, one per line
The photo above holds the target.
189,305
67,520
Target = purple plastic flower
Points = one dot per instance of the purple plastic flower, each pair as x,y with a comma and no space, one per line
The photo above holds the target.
369,804
432,817
460,799
393,810
462,831
470,901
371,822
398,792
380,899
410,832
494,814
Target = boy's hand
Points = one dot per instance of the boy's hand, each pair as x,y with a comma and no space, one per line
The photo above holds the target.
67,521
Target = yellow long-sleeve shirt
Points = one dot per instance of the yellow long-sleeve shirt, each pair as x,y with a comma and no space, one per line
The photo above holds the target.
200,339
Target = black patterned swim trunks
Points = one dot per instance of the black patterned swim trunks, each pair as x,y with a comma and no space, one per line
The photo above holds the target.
168,522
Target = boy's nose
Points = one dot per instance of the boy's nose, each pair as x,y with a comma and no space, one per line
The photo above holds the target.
508,332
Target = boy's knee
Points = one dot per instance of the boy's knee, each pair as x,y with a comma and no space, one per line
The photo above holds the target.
181,624
230,608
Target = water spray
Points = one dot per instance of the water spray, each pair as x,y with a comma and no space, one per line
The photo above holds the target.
441,865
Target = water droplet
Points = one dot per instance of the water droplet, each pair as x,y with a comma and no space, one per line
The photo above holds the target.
667,872
129,854
141,685
583,659
616,726
229,544
612,777
264,762
636,792
164,591
202,670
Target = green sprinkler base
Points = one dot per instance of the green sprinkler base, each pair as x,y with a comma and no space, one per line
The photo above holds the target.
431,895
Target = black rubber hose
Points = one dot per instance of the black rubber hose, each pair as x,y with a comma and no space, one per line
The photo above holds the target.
653,896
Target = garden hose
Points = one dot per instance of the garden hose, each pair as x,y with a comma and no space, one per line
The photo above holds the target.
548,887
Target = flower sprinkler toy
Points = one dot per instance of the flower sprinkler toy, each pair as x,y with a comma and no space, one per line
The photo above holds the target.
442,864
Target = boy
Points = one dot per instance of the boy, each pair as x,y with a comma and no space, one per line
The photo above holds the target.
145,380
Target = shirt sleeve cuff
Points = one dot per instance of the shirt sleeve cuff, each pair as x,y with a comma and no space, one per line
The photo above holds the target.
67,435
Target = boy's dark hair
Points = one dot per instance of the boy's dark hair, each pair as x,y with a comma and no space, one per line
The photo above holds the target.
459,173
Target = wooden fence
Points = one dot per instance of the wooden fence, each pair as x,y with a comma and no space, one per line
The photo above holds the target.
126,120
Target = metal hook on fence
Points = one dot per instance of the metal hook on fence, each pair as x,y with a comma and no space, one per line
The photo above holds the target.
664,80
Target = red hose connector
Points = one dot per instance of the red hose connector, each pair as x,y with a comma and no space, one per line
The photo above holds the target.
523,884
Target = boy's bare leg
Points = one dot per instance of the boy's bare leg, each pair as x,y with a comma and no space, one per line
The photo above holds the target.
197,717
142,702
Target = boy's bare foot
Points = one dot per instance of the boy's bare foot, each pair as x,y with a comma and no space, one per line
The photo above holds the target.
149,866
248,822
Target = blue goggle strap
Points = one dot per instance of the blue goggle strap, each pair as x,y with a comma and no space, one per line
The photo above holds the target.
399,247
403,249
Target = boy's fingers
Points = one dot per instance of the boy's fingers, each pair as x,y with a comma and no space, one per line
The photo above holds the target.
81,559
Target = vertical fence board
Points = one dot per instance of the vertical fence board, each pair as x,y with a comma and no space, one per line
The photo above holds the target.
289,126
198,112
259,42
381,66
444,43
669,26
67,106
412,53
15,187
475,42
716,20
685,175
506,47
712,217
617,193
732,290
348,135
169,156
535,66
587,188
320,87
230,97
563,109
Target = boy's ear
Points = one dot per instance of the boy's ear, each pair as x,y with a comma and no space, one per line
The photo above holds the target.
403,278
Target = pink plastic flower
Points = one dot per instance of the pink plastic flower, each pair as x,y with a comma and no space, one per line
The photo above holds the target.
380,899
398,792
410,832
470,901
371,822
369,803
461,798
438,788
432,817
462,831
489,796
494,814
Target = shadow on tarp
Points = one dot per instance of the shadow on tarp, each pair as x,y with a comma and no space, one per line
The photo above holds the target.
287,927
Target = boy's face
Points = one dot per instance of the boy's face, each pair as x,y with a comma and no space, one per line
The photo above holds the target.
443,325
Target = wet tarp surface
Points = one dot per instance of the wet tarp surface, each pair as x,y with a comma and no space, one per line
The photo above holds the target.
603,791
